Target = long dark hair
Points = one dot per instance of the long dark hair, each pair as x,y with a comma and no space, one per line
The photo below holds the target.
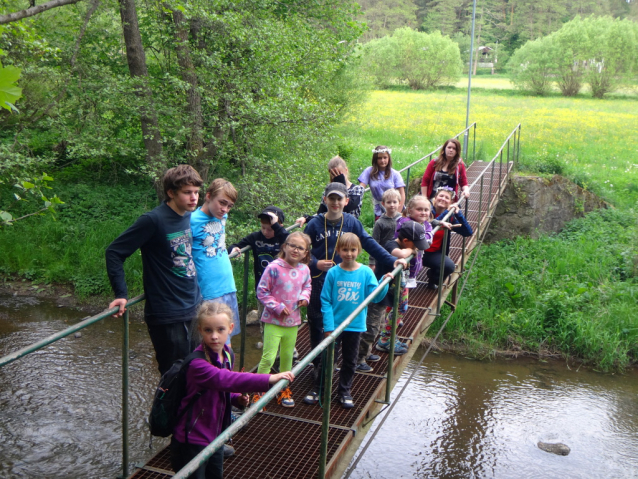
440,161
375,156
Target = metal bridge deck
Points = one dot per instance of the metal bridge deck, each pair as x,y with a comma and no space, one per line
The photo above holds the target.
284,442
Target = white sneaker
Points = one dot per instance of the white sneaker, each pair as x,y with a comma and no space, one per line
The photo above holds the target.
411,283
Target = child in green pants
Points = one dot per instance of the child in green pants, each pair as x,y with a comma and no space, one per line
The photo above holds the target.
283,289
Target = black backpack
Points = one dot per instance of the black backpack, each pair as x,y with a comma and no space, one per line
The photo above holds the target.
170,392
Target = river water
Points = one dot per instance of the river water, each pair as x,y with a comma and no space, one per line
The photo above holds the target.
60,409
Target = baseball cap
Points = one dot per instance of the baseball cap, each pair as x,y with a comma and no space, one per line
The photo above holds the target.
414,232
336,189
272,209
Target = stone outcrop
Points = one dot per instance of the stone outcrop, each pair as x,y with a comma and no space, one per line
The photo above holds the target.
533,205
554,448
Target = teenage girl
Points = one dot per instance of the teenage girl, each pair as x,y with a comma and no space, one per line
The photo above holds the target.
446,170
432,255
381,176
284,288
210,413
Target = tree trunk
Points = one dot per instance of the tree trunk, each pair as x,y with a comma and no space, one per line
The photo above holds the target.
195,142
148,117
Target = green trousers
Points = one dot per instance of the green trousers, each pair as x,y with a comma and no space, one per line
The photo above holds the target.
275,338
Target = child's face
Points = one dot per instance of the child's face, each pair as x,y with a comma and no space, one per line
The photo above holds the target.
382,160
443,200
348,254
391,206
295,250
184,199
420,212
335,203
406,243
219,206
215,330
266,229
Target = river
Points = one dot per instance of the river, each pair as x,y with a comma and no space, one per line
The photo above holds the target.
61,409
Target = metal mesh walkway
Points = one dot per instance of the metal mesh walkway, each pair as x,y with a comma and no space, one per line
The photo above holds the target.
284,442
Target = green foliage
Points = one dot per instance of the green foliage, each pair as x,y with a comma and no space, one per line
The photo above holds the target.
600,51
383,17
422,61
30,189
9,92
573,293
532,65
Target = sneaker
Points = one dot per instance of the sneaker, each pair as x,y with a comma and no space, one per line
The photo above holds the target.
373,358
400,324
346,401
311,398
256,397
411,283
295,355
364,368
432,286
385,347
285,398
228,451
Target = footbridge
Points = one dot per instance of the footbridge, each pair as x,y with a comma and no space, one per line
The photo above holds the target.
312,441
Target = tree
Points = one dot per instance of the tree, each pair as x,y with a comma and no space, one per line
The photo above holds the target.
532,66
384,16
421,60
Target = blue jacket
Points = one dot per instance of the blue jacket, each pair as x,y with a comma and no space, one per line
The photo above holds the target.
322,232
456,218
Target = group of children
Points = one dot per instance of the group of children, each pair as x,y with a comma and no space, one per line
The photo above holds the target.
187,274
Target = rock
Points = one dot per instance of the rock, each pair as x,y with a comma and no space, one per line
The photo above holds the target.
259,345
558,448
533,205
77,334
252,317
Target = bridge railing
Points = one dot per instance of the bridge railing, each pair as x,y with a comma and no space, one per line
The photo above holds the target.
511,149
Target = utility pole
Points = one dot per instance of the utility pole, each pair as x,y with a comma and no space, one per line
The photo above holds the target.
469,84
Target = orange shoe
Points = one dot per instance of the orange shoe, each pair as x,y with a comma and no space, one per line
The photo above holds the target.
256,397
285,398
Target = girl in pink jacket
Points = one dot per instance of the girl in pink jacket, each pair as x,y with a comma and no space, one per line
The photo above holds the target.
284,288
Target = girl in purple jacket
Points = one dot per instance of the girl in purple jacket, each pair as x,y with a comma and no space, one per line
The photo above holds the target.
284,288
210,414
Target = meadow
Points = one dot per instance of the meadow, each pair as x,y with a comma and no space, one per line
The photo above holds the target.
571,294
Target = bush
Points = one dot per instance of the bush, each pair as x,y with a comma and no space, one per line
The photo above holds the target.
532,66
421,60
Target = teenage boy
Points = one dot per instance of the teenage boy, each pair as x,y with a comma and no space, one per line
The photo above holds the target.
163,235
412,237
324,231
214,271
345,288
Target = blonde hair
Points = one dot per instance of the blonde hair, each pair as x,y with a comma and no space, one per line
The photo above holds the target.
338,162
305,238
392,193
412,204
220,185
206,310
348,240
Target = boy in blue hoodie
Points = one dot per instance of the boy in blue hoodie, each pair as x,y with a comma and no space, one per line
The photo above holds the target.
324,231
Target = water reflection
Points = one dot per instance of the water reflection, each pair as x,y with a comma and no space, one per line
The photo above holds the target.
460,418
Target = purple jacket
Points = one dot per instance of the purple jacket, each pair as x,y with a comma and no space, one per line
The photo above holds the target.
212,409
282,286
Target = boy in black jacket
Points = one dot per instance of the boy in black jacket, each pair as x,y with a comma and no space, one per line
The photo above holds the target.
164,237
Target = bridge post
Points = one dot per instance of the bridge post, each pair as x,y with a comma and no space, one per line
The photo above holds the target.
443,253
393,336
244,311
478,223
328,365
125,384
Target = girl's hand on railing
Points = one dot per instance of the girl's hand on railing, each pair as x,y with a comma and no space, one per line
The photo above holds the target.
243,400
236,251
275,378
300,221
388,276
446,225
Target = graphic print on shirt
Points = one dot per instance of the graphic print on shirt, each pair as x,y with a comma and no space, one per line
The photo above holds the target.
215,239
182,253
348,290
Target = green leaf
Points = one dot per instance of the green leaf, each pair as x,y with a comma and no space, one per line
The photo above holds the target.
9,92
6,216
27,185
